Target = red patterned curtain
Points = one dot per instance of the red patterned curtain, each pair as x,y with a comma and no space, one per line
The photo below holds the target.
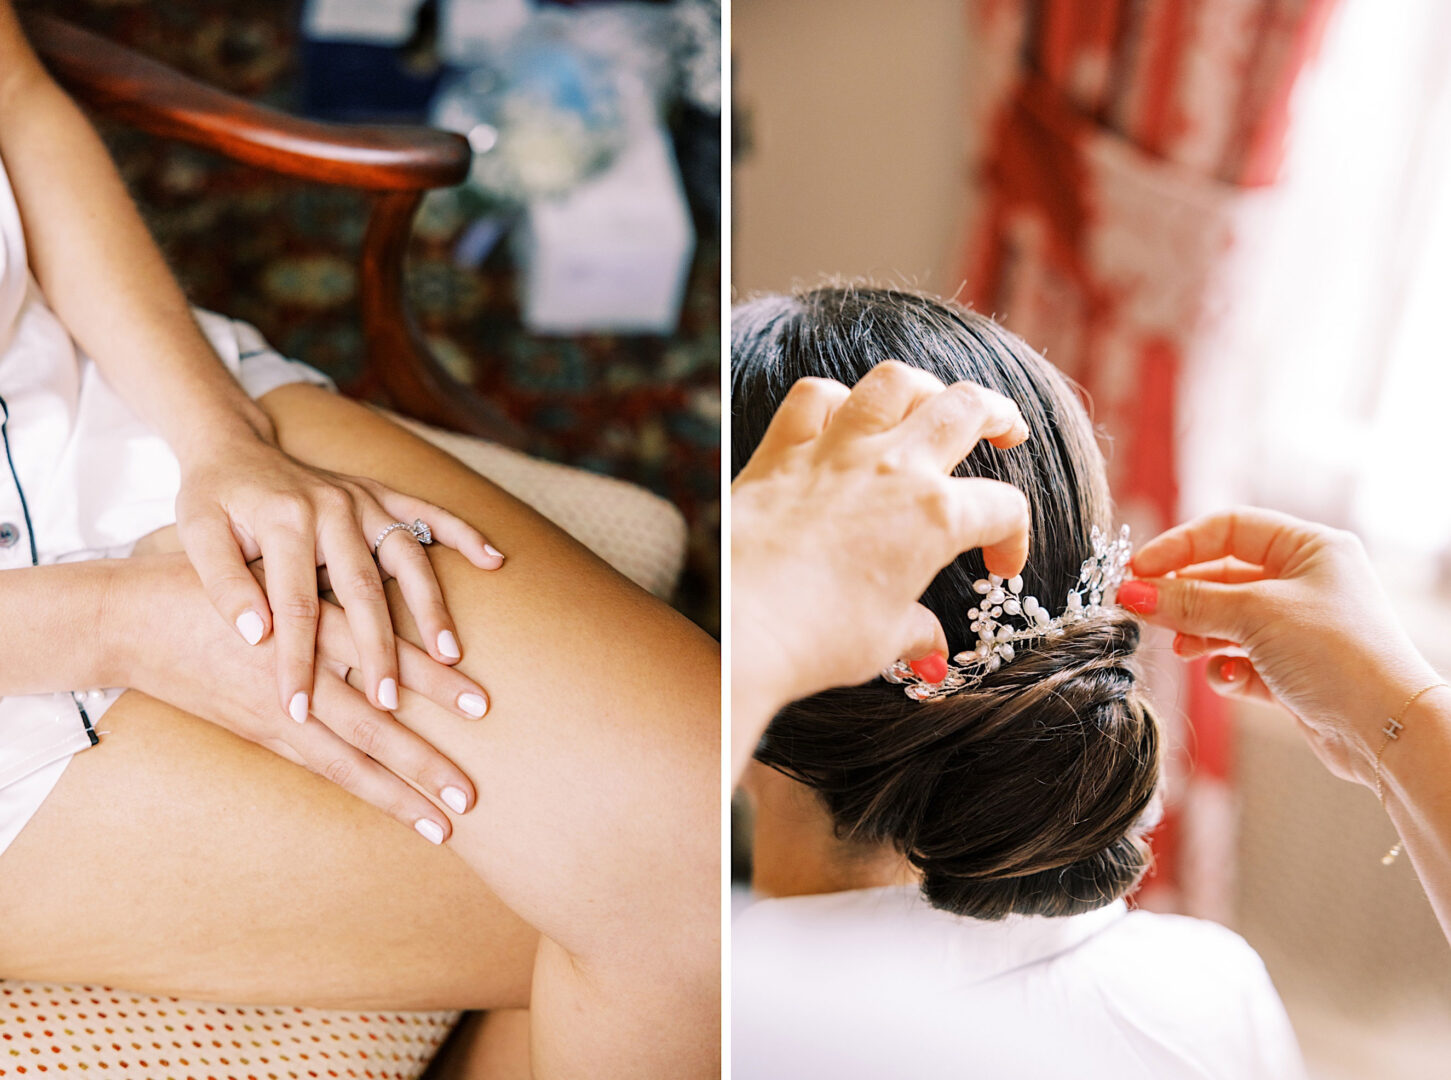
1115,138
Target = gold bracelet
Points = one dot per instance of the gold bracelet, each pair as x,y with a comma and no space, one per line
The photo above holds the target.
1392,730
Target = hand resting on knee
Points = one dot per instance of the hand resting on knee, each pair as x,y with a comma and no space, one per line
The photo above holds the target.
179,652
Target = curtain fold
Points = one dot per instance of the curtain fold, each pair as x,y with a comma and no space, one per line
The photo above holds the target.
1116,145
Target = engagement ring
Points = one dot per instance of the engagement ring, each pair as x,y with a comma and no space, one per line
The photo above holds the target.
420,530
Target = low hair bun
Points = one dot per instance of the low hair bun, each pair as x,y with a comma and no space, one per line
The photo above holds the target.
1091,882
1026,794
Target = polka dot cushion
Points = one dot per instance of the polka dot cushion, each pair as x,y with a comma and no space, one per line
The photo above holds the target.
50,1030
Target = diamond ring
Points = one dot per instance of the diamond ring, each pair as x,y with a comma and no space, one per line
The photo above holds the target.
420,530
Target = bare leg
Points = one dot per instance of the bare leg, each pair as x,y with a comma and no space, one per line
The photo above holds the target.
174,857
490,1045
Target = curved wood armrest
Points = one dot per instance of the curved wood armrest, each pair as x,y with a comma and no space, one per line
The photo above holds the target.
142,93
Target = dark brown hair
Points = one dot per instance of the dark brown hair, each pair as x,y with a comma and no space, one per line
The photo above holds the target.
1027,793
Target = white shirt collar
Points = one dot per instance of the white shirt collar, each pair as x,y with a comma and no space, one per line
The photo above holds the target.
960,950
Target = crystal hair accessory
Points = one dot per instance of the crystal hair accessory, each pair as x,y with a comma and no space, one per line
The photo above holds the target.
1004,618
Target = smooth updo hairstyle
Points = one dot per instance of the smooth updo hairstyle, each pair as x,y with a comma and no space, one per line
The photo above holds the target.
1029,793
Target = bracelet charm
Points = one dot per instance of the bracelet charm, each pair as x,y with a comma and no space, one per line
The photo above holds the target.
1392,730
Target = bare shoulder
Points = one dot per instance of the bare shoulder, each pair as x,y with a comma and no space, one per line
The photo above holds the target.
18,63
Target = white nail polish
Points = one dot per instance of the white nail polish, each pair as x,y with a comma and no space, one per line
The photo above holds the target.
490,549
388,693
448,644
249,625
431,831
473,704
297,707
454,799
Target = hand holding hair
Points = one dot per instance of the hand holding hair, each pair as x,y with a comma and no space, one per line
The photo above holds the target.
1291,613
993,818
841,519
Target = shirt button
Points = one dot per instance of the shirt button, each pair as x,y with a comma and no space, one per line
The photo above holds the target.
9,534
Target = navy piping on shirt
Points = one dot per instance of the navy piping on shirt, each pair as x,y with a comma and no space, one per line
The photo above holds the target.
10,460
85,718
30,535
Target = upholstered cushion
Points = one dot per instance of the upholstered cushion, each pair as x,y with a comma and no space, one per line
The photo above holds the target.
48,1029
641,535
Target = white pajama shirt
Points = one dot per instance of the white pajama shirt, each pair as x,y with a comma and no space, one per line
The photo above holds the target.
81,477
876,983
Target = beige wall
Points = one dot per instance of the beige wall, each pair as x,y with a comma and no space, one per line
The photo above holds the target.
857,162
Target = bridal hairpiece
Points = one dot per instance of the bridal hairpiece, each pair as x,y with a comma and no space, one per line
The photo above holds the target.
1004,618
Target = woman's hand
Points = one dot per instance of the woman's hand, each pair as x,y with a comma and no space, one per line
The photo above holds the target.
1290,612
246,499
843,516
177,651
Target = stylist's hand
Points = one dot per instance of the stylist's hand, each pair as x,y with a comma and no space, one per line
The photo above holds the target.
248,499
180,653
844,515
1289,612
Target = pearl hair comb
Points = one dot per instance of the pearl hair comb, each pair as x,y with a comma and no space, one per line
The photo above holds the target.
1004,618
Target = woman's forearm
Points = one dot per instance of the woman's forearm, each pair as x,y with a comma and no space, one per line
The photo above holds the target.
758,684
1414,771
751,713
99,269
66,631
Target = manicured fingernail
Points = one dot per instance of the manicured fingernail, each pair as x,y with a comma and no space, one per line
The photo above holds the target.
473,704
297,707
454,799
448,644
932,667
1178,643
249,625
1228,670
431,831
388,693
1140,597
490,549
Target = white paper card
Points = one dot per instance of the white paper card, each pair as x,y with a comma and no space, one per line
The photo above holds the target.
371,22
614,254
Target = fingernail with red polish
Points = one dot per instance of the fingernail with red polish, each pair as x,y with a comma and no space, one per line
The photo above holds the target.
1178,643
932,667
1140,597
1228,670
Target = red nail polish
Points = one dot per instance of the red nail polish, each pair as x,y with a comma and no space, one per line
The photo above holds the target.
1178,643
932,667
1140,597
1228,670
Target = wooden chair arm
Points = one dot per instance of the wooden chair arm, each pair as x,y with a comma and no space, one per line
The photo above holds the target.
142,93
396,164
